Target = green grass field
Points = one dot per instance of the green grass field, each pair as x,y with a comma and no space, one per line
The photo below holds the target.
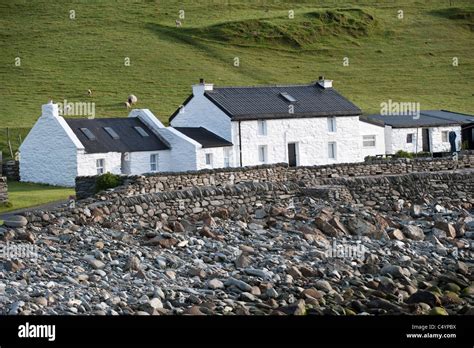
24,195
409,59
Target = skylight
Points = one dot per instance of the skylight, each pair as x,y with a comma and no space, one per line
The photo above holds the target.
88,134
111,132
288,97
141,131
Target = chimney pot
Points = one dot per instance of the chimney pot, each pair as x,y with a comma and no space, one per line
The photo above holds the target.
201,81
324,83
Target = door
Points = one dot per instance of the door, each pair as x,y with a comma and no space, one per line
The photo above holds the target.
426,139
467,136
292,154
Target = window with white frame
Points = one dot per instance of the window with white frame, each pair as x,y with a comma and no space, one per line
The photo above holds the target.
154,162
208,159
100,165
332,124
226,157
332,150
368,141
262,154
262,127
444,136
410,138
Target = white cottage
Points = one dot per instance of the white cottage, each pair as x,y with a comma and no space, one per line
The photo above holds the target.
298,124
428,132
57,149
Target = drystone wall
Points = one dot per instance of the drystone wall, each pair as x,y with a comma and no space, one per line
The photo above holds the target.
161,182
3,190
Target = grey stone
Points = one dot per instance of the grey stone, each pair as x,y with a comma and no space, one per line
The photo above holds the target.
97,264
215,284
239,284
15,221
413,232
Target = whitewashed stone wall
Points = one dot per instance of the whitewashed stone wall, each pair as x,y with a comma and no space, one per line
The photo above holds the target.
399,139
183,153
201,112
217,157
437,144
48,153
86,163
310,134
379,132
140,161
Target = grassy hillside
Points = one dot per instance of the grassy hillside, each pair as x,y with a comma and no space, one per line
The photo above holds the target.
407,59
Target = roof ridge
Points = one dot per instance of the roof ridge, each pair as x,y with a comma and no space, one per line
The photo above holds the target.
269,86
97,118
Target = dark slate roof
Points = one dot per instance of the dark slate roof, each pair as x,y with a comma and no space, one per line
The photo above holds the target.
204,137
129,141
267,102
450,115
407,121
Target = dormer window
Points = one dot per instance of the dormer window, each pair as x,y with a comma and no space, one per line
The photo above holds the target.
112,133
89,135
141,131
288,97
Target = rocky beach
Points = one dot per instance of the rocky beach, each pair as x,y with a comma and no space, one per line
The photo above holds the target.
260,250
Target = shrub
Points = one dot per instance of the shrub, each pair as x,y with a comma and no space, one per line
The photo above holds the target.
106,181
423,154
6,205
403,154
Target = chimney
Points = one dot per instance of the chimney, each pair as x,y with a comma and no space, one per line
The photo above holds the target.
49,110
324,83
202,87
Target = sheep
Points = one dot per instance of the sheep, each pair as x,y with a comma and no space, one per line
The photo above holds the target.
132,99
89,93
178,23
128,105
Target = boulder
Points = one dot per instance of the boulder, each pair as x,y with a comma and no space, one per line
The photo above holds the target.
446,227
413,232
15,221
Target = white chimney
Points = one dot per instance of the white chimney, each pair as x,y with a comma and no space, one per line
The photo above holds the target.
324,83
202,87
49,110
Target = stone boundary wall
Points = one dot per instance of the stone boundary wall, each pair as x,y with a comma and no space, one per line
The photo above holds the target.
446,186
242,200
3,190
150,183
11,170
239,199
